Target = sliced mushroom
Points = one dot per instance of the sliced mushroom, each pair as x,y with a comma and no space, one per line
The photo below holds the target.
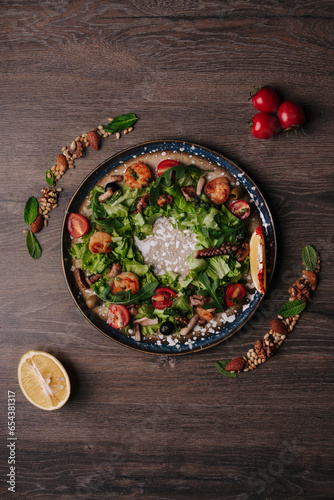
106,195
190,325
189,192
200,186
115,178
115,270
147,321
137,333
81,279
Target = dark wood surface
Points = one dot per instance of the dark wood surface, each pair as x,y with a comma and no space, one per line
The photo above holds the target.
143,426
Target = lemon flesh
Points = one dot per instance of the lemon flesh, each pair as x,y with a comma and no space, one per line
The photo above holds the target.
43,380
257,255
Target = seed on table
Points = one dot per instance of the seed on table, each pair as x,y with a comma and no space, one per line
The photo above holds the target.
46,216
48,175
105,135
25,231
55,206
125,132
110,119
130,129
45,212
84,134
59,190
77,138
45,222
87,144
40,210
293,323
246,370
71,166
280,317
64,148
255,362
118,135
100,127
266,336
283,337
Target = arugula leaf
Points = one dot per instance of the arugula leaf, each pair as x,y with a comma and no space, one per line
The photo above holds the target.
121,122
49,177
220,365
166,179
34,247
109,223
230,234
30,210
292,308
125,298
210,289
309,258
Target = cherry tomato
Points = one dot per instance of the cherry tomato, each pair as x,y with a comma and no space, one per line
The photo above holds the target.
240,209
290,115
264,125
234,294
77,225
118,316
162,297
242,252
265,99
165,165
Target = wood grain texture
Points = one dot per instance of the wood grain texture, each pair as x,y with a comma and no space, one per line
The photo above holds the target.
143,426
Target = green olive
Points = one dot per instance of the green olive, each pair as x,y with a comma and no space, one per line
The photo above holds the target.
236,193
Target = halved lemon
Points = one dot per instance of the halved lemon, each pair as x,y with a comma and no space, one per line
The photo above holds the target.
43,380
257,255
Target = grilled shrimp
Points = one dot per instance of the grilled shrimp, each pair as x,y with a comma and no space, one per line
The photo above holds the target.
100,242
217,190
125,281
137,175
204,313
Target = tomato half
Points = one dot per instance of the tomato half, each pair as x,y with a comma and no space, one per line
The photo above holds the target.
234,294
118,316
265,99
240,209
290,115
264,126
165,165
163,297
77,225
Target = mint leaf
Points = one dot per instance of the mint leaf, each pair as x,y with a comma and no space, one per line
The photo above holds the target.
220,365
34,247
30,210
121,122
309,257
50,180
210,289
292,308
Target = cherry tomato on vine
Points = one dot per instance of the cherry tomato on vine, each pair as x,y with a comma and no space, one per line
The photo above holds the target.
77,225
165,165
163,297
234,294
264,125
290,115
265,99
240,209
118,316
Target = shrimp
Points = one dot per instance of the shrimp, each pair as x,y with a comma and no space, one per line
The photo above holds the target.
204,313
100,242
125,281
217,190
137,175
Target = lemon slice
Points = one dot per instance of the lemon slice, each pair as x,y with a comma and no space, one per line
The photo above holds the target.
257,255
43,380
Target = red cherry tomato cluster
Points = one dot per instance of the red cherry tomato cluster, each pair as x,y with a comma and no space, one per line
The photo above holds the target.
273,116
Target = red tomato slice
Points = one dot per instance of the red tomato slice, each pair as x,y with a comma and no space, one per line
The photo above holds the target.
165,165
240,209
162,297
118,316
77,225
234,294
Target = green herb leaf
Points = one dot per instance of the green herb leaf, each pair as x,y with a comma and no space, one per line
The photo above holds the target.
122,122
30,210
292,308
166,179
210,288
50,180
34,247
220,365
309,258
125,298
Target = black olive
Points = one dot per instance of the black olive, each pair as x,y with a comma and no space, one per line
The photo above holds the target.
167,328
113,186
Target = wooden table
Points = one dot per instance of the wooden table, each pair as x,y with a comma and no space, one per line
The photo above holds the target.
138,425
